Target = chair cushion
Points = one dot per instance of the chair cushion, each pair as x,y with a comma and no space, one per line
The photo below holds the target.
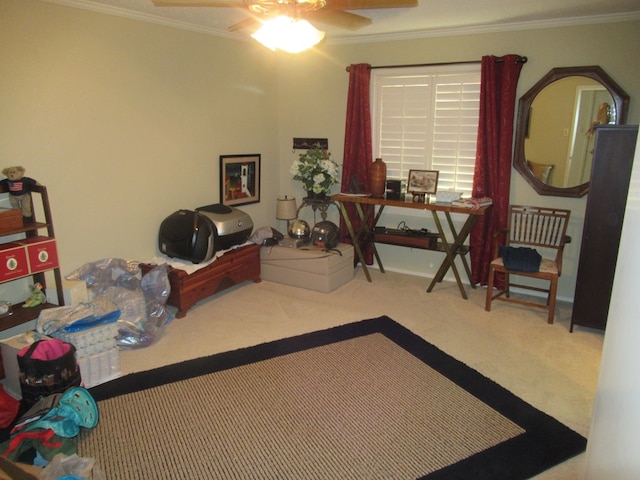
546,265
522,259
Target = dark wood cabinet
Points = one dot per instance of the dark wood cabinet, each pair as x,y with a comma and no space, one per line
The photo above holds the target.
606,202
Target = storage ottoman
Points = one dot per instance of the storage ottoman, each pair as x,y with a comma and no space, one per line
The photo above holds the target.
308,267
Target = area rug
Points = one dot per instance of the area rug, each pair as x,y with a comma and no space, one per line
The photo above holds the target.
367,400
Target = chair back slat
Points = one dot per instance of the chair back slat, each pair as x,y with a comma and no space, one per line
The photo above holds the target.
537,226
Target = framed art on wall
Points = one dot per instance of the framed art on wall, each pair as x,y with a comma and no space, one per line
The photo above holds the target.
307,143
239,179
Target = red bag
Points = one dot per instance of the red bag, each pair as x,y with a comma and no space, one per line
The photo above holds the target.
8,408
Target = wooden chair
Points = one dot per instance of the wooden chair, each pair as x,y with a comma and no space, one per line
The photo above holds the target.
543,229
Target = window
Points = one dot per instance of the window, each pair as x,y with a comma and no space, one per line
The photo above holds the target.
426,118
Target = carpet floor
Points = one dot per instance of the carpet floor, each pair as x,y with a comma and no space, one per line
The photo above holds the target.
366,400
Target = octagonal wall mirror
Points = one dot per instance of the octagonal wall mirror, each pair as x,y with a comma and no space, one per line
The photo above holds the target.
556,125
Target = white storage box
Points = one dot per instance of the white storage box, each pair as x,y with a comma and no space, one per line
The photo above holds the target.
97,352
100,367
308,267
92,340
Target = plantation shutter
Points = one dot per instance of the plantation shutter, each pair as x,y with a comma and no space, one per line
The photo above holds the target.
428,122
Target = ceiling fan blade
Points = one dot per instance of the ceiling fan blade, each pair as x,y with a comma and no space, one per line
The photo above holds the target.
338,18
199,3
248,23
364,4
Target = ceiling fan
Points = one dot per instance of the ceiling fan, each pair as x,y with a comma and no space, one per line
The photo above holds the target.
329,12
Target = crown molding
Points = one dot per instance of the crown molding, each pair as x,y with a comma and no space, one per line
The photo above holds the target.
480,29
144,17
359,39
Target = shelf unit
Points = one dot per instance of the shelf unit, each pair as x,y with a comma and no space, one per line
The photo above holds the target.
31,230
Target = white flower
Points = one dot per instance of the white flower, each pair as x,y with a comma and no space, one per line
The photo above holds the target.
316,170
318,178
295,167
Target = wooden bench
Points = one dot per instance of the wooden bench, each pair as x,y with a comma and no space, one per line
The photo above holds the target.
235,266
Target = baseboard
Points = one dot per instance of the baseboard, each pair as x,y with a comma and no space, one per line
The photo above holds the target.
451,278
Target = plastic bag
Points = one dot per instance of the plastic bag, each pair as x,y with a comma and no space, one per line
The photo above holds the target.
149,327
118,284
52,320
71,467
109,272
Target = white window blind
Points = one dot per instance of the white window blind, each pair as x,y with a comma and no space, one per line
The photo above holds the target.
426,118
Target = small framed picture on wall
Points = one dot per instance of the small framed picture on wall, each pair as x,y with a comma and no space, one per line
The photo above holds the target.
239,179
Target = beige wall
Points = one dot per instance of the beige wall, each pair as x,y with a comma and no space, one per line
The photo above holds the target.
124,121
318,86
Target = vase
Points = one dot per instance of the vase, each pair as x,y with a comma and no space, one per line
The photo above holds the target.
311,195
378,178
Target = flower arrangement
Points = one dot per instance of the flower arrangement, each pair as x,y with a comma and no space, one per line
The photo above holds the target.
315,170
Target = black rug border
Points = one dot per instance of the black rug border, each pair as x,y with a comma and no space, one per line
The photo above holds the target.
545,443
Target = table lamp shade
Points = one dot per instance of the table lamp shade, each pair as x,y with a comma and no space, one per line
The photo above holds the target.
286,208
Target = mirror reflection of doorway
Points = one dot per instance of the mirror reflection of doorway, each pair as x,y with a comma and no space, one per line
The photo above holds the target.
590,101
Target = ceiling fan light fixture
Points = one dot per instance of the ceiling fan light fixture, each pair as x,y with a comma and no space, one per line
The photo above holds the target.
291,35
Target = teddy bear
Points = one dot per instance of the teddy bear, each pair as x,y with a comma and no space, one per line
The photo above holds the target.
19,187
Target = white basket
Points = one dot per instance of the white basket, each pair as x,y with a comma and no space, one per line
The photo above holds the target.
91,341
100,367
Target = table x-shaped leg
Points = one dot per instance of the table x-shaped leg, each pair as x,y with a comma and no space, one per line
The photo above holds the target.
456,248
364,233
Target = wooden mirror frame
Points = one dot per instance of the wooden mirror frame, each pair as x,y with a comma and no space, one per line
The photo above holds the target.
620,99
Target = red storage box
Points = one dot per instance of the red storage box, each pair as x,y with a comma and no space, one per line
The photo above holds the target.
41,252
13,261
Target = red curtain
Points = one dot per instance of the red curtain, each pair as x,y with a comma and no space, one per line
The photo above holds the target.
357,155
492,175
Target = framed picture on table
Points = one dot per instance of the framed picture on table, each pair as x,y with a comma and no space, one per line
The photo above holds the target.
239,179
422,182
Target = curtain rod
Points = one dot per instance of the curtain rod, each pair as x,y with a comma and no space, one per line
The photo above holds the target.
498,60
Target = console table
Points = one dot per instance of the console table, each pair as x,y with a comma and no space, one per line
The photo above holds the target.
234,267
365,206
